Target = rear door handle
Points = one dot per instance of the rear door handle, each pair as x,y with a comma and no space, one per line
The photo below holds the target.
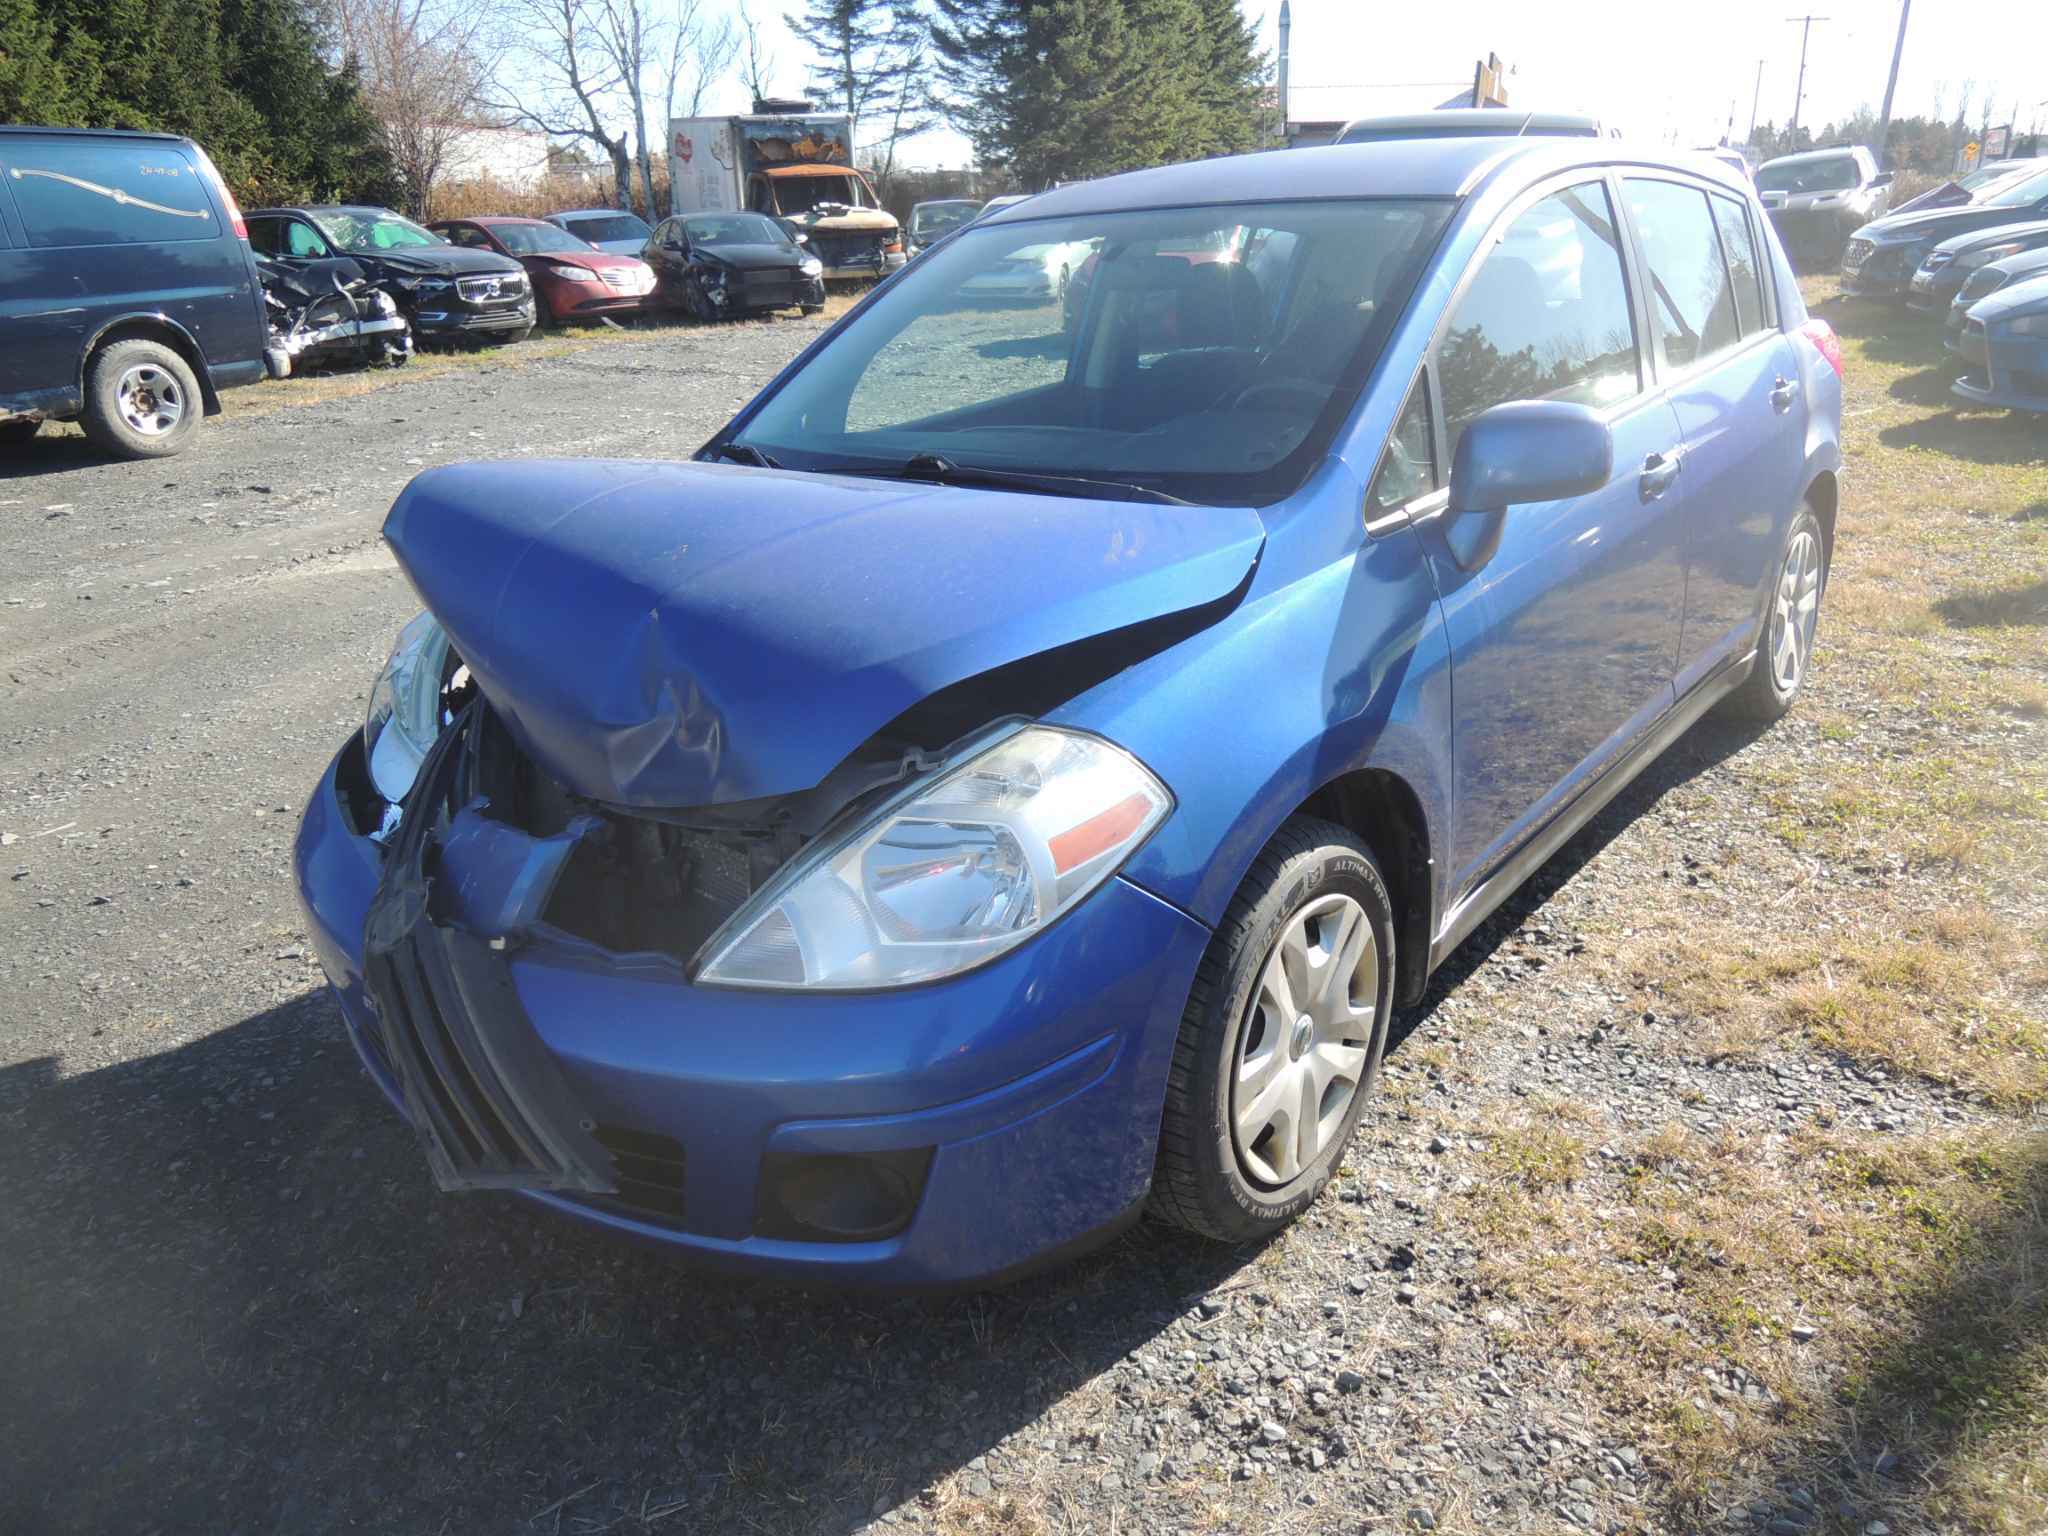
1659,470
1783,393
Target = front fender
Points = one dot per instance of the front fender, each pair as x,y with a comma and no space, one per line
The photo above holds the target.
1344,668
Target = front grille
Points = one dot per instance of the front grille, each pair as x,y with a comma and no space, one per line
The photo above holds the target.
648,1169
848,250
491,1105
492,285
1856,253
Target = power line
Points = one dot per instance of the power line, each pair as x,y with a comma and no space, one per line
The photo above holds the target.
1799,91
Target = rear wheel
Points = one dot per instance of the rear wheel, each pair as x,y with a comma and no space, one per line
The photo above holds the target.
141,401
1281,1040
1791,617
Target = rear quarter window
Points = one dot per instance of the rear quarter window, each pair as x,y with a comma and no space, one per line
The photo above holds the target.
107,193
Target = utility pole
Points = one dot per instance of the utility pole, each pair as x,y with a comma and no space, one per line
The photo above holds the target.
1891,84
1756,97
1799,92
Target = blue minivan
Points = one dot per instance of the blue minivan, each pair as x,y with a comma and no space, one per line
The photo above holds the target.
1006,781
128,296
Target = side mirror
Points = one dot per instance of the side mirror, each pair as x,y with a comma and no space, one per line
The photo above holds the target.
1530,450
1882,179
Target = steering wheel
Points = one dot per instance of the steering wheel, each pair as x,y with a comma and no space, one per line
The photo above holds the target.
1314,396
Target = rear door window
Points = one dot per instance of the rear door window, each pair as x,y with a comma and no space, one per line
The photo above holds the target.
1546,317
1738,244
1691,296
107,192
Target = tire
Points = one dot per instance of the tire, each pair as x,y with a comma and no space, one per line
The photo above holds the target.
544,317
508,338
814,309
141,401
700,308
1239,1185
18,434
1792,606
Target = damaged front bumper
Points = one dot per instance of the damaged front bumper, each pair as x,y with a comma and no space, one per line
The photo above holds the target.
1015,1108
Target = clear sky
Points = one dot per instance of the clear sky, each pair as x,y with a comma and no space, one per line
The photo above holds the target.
1653,68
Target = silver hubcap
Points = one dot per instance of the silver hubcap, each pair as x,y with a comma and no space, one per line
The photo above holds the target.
1301,1048
150,400
1794,611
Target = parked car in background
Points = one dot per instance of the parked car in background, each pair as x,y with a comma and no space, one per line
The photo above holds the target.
996,205
931,222
722,265
447,292
1986,281
1819,198
609,229
819,857
1970,187
1734,159
1945,268
128,300
1032,274
1881,258
2005,346
572,279
1466,122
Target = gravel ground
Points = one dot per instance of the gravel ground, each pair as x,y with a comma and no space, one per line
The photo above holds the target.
234,1303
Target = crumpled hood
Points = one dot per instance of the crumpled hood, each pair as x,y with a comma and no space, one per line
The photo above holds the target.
1939,223
440,260
679,634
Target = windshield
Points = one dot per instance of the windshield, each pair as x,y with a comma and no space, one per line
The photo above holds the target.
734,229
2020,193
609,226
800,194
1208,354
937,218
1836,174
534,239
372,229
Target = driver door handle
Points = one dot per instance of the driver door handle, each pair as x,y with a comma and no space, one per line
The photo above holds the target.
1783,393
1659,470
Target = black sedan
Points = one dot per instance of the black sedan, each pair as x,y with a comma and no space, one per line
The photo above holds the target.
720,264
1883,256
1945,269
447,292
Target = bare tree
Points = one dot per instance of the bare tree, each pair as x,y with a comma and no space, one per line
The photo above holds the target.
563,49
423,64
700,50
757,59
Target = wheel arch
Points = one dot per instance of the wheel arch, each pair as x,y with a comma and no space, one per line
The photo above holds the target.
155,327
1824,495
1383,810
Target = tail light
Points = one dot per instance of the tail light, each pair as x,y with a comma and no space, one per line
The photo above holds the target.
234,208
1823,336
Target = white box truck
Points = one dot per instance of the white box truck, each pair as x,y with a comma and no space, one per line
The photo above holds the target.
796,167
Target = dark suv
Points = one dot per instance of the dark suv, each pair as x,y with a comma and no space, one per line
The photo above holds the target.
128,299
448,292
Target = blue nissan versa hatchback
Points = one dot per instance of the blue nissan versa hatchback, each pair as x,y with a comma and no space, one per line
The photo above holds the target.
1006,781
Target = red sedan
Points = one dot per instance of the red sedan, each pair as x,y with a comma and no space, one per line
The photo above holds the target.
572,280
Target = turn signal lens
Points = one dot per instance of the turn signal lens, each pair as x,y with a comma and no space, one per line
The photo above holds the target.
1823,336
951,873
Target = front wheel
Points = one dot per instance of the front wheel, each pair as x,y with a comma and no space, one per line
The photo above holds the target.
1281,1040
1791,616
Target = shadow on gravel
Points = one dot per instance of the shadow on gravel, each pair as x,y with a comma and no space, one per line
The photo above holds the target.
233,1302
1979,437
50,454
2011,605
1707,745
1949,1402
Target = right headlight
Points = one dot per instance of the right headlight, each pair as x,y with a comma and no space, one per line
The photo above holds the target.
404,717
950,873
2028,325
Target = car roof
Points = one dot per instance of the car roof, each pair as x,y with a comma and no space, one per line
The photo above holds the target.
594,213
1837,153
1416,168
12,129
1490,120
491,218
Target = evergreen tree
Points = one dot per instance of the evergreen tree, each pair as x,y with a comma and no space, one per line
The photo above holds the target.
47,74
1061,90
866,56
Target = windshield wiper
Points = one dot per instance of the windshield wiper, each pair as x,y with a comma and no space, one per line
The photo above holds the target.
940,470
745,453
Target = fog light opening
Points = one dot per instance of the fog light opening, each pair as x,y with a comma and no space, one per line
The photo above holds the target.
840,1197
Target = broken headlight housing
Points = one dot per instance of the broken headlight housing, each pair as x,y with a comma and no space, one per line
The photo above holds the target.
406,713
950,873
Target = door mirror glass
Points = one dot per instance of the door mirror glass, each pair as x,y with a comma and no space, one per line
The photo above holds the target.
1881,179
1530,450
